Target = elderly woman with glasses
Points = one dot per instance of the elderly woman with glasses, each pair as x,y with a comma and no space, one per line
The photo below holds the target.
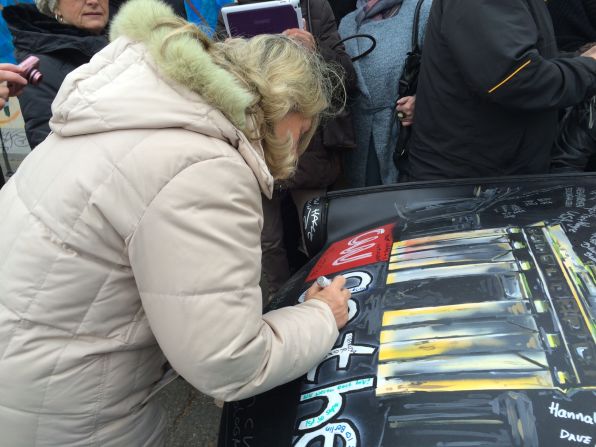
63,34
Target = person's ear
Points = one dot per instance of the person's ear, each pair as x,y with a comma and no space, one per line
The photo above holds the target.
58,15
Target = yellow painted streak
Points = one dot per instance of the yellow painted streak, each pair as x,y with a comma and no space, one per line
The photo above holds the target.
508,78
539,380
562,377
421,349
391,278
428,348
392,317
553,340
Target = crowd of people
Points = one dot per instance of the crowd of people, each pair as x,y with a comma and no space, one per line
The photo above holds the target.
165,165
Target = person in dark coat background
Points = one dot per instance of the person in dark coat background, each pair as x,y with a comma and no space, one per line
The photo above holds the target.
489,89
319,167
60,44
574,22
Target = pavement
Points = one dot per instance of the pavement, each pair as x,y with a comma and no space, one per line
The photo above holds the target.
193,418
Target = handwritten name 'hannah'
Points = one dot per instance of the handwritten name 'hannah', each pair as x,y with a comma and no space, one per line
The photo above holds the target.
558,412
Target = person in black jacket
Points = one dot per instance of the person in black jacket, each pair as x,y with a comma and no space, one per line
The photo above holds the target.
62,43
63,40
319,167
489,89
574,22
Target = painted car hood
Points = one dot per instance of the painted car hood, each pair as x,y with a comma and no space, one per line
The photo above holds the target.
472,320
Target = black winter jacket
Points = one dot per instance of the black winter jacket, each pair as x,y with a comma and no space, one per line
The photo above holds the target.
489,89
60,48
319,166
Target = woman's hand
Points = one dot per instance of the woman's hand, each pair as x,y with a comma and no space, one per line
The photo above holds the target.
11,82
589,50
335,296
302,36
405,110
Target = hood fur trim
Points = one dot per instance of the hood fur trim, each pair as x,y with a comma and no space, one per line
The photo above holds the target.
183,59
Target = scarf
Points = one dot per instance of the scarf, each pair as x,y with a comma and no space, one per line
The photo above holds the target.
376,10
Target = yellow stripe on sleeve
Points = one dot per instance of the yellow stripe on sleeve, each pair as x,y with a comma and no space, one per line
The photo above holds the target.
510,76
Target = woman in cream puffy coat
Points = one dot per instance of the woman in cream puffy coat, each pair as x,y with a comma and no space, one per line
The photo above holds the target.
131,235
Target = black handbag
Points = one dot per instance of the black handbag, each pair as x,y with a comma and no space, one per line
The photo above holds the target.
408,83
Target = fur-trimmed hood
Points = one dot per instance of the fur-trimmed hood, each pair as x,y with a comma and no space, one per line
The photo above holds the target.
134,84
183,59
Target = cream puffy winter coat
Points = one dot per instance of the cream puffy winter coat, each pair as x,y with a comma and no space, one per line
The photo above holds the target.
132,235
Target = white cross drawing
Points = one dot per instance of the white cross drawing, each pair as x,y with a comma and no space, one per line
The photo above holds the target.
343,354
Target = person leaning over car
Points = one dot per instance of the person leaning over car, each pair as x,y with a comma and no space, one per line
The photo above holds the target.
320,165
131,236
489,89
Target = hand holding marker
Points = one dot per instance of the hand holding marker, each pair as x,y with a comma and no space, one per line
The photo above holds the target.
334,294
323,281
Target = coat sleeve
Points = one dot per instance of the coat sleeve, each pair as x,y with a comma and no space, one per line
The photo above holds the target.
328,43
195,256
501,62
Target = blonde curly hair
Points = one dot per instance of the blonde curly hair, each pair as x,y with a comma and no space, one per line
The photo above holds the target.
282,76
286,77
